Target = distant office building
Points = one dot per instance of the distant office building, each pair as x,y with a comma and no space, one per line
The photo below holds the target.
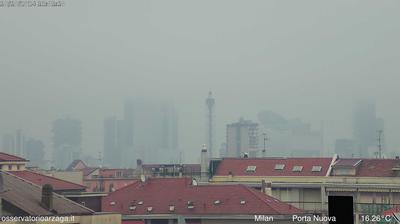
345,148
35,153
8,143
19,143
115,141
150,132
292,137
241,137
67,137
14,143
365,128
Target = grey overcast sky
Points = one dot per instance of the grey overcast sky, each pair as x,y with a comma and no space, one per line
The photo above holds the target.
306,59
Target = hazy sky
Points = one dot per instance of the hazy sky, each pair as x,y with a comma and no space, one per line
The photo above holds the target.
306,59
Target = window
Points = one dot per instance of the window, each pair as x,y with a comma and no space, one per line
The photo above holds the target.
119,173
316,169
251,169
171,208
279,166
9,167
190,204
297,168
18,167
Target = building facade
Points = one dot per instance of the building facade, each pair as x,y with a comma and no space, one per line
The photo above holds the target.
241,137
67,137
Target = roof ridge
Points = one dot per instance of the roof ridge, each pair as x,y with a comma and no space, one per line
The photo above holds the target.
14,156
54,193
259,197
55,178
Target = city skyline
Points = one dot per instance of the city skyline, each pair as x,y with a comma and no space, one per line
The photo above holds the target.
310,65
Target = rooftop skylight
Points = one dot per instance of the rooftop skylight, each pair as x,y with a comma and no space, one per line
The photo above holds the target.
279,166
316,168
297,168
251,169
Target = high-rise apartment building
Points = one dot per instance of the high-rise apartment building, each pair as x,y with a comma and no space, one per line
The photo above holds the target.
115,142
241,137
366,127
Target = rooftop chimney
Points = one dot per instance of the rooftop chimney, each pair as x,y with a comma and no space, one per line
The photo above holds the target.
204,164
263,186
139,166
47,196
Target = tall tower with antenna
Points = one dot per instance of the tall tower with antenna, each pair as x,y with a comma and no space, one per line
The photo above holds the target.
210,136
380,132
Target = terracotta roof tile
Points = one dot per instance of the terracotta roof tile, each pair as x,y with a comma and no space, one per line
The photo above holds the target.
269,166
7,157
161,193
377,167
27,197
41,179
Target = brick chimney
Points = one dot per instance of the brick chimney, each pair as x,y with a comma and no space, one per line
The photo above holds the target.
47,197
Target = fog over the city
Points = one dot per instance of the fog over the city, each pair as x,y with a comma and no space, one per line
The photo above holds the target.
311,60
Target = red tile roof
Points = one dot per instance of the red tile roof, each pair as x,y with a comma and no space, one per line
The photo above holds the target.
4,157
27,197
395,209
348,162
76,164
377,167
40,179
161,193
266,166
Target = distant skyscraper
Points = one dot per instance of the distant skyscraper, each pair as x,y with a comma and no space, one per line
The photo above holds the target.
241,137
114,141
210,102
151,131
8,143
365,128
19,143
290,137
34,150
67,137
